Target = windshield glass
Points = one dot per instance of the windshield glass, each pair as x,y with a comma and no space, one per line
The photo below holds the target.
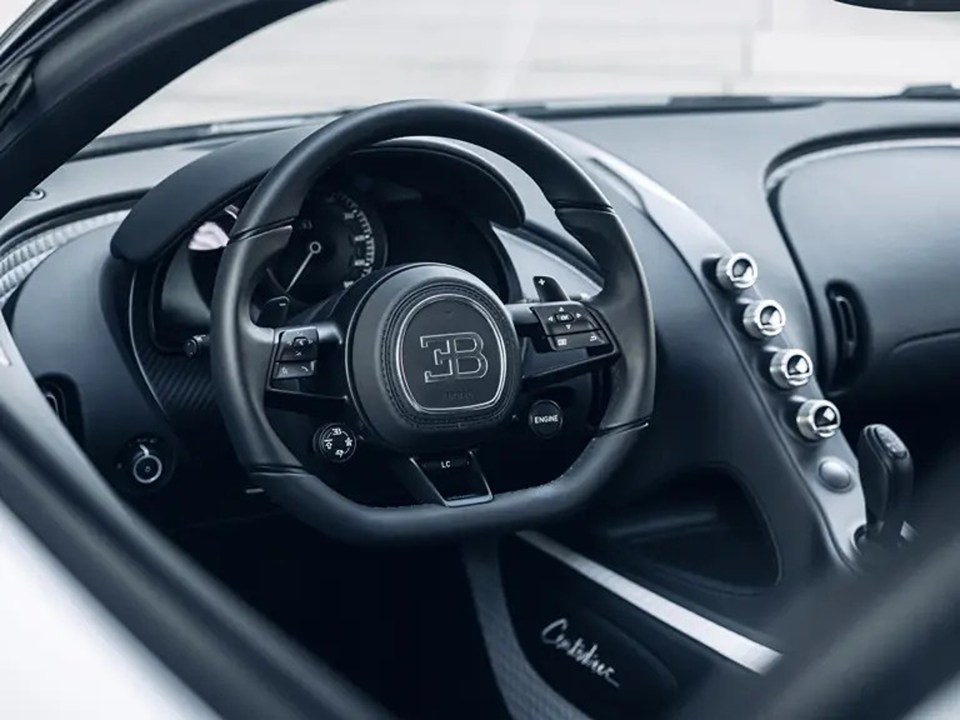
349,53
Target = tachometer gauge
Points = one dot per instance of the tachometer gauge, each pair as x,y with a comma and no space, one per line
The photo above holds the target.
337,241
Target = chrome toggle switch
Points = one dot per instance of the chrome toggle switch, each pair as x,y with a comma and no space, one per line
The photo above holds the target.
764,319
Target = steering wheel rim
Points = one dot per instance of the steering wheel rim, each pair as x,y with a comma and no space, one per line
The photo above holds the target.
242,353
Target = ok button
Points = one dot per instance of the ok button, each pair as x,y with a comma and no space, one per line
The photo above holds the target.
545,419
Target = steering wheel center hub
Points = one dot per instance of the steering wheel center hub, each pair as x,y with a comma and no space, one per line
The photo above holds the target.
434,358
451,356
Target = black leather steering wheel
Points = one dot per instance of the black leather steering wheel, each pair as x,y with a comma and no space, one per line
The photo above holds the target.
425,358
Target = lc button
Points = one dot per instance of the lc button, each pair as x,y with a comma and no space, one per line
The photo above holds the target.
545,419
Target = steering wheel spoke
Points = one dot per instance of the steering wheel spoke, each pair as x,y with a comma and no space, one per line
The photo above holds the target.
570,338
452,480
294,396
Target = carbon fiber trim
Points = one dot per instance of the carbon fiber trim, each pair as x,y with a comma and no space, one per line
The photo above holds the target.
526,694
24,255
182,386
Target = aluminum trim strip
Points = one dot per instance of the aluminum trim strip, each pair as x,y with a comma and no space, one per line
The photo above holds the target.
722,640
783,171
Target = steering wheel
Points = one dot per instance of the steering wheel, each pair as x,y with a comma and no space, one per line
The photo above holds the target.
425,358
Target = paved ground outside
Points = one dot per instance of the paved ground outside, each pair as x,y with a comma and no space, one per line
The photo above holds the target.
351,52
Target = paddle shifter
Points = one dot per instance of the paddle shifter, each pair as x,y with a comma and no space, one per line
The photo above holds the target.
886,474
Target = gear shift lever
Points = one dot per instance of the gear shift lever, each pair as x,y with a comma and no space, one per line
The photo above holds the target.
886,474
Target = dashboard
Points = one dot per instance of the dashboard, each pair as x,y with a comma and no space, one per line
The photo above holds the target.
841,206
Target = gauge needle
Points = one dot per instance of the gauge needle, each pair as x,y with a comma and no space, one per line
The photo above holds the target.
312,249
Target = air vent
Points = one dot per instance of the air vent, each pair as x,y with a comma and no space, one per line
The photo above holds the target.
849,327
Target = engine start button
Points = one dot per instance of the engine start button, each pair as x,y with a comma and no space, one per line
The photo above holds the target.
545,419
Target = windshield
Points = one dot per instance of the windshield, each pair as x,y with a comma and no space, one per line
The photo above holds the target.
349,53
